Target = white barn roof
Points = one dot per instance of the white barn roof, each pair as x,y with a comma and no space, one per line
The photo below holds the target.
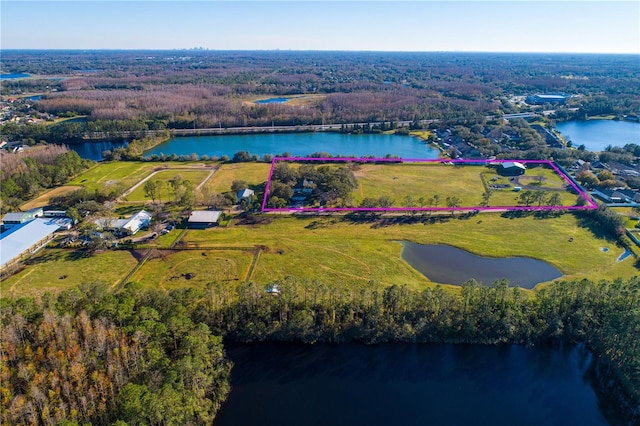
21,238
513,164
204,216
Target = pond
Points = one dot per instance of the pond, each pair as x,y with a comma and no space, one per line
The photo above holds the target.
407,384
273,101
12,76
596,135
94,150
450,265
298,144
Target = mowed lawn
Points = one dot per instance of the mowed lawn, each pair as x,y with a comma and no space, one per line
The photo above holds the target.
338,252
425,180
253,173
59,269
166,193
171,269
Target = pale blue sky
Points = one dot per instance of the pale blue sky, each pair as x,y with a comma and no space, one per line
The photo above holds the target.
507,26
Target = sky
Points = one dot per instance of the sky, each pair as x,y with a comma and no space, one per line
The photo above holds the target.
469,26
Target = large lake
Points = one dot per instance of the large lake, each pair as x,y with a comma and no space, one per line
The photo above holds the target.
596,135
406,384
298,144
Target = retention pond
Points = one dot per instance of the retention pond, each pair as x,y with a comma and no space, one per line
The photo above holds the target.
450,265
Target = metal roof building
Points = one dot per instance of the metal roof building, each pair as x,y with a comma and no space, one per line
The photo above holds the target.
203,218
28,238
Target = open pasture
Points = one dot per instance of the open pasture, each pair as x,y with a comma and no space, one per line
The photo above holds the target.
170,269
335,251
45,199
430,184
349,253
124,173
59,269
196,177
253,173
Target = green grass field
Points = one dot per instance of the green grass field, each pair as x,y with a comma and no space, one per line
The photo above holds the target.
45,271
194,176
124,173
170,269
252,173
424,180
334,251
342,253
331,249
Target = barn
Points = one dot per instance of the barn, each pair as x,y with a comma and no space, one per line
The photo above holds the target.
201,219
511,168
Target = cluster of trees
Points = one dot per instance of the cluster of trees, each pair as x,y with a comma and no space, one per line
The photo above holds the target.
625,155
603,178
325,184
181,189
88,356
24,175
539,198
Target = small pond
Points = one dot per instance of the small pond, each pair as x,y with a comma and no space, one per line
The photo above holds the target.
450,265
12,76
273,101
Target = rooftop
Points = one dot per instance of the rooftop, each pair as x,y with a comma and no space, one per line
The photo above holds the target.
204,216
21,238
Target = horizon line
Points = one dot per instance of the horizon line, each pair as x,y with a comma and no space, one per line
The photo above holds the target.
279,50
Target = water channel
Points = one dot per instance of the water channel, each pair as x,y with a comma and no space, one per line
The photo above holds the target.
450,265
596,135
406,384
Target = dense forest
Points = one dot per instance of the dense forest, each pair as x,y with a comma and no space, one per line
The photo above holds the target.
151,357
152,90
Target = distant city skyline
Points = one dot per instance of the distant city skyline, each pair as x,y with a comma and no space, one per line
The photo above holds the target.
469,26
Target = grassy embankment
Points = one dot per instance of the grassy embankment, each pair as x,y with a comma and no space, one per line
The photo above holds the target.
329,249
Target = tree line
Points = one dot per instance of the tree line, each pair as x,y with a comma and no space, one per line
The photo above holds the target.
149,356
41,167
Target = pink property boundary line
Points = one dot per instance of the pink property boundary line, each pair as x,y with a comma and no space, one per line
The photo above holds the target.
589,206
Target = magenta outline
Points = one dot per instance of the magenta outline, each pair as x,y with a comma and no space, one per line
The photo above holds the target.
589,206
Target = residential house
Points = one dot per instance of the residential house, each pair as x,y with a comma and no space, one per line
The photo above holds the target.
244,194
